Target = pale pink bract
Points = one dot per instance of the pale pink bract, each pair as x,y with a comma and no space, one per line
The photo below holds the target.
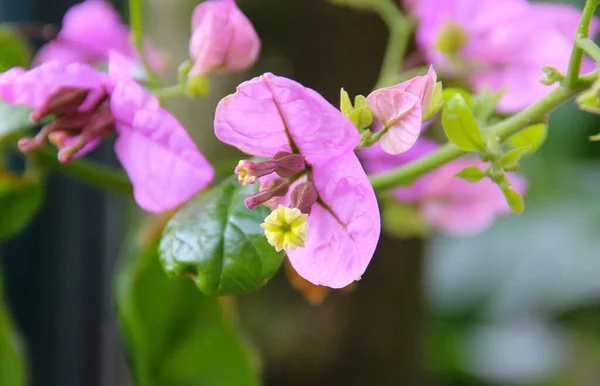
223,39
401,109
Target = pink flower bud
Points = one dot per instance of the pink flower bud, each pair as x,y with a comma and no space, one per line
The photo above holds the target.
223,39
277,188
288,164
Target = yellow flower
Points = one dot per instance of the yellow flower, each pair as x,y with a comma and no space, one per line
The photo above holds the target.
286,228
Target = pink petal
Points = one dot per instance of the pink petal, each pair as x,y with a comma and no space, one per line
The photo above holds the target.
63,53
342,236
401,111
267,111
162,161
32,88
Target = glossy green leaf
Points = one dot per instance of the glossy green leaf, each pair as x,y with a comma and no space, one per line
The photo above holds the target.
514,200
176,336
219,241
533,136
471,174
510,160
13,370
15,119
460,125
20,199
14,50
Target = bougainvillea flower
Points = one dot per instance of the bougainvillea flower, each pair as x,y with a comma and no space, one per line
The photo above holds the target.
90,30
400,109
498,44
162,161
272,114
223,39
450,204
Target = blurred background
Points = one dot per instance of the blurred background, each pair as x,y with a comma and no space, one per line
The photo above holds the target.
517,305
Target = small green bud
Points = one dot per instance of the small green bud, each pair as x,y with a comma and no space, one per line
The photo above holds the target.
345,103
197,86
551,75
183,71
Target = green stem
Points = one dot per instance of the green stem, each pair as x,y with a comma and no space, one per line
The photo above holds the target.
409,172
400,27
168,92
85,171
577,53
135,21
589,47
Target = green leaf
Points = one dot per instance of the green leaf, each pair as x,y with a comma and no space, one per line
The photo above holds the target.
510,160
20,199
14,50
174,335
362,117
449,93
594,137
514,200
471,174
460,125
15,120
345,103
533,136
13,370
219,241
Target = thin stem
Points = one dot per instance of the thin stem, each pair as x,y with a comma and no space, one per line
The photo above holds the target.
168,92
409,172
400,27
577,53
589,47
85,171
135,21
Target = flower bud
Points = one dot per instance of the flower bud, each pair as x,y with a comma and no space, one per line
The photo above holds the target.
64,101
304,196
451,38
279,187
223,39
197,86
288,164
248,171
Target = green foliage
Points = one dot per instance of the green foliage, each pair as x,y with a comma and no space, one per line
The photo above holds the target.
175,336
219,242
510,160
460,125
15,50
514,200
448,93
20,199
471,174
533,136
13,370
359,114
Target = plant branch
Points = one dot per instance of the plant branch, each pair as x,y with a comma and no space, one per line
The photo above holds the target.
85,171
589,47
407,173
135,21
577,53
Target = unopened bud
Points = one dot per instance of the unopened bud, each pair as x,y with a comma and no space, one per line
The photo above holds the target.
288,164
452,38
197,86
304,196
249,171
277,188
64,101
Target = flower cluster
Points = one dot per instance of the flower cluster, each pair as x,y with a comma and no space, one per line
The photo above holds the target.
325,214
498,44
162,161
448,203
